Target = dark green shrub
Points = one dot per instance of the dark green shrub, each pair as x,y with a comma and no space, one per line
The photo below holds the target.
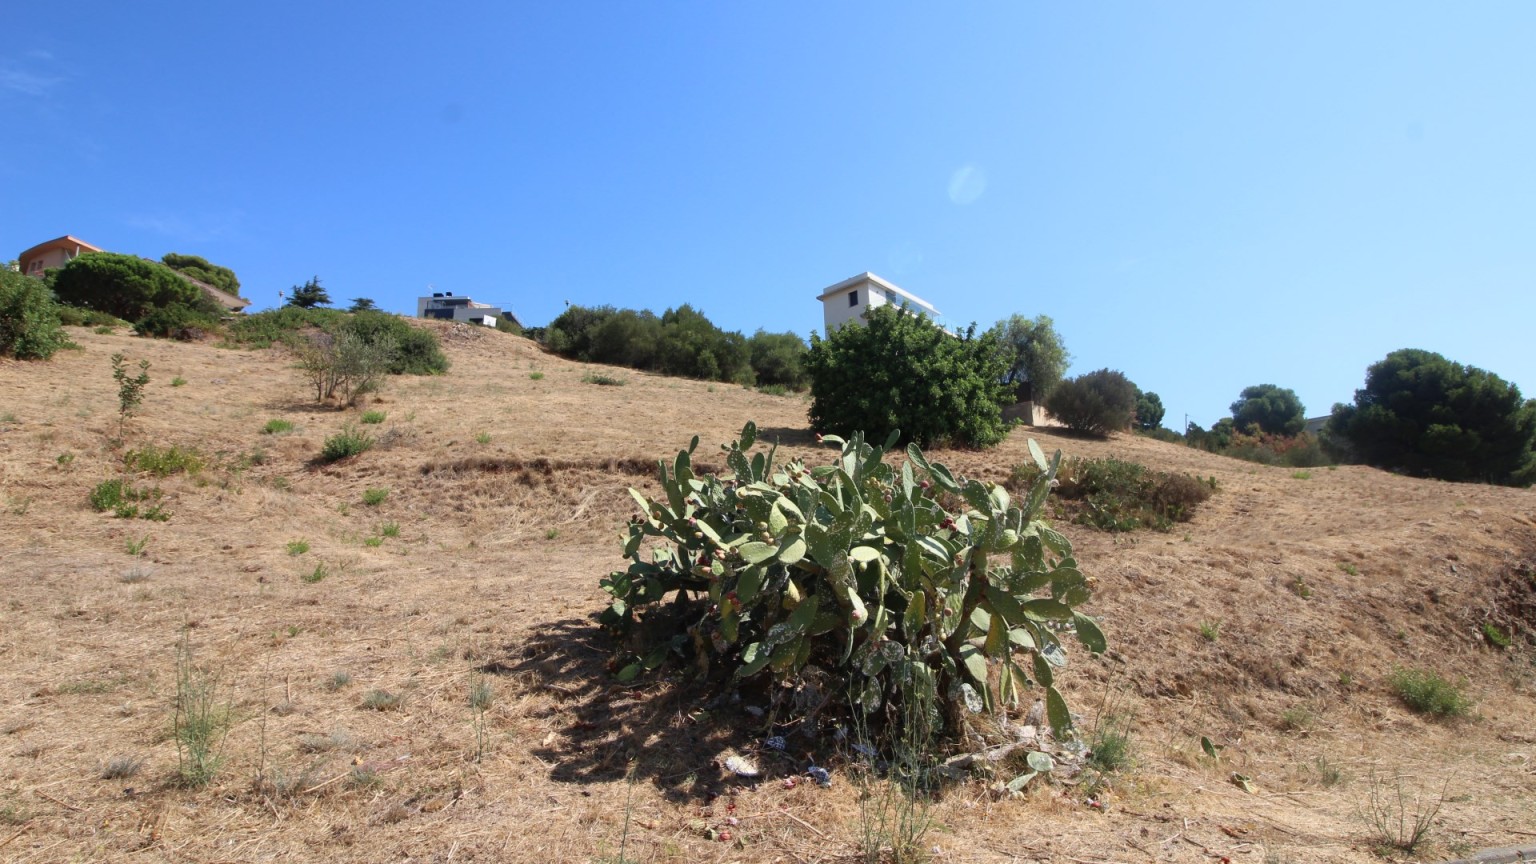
855,581
29,318
417,350
778,360
507,324
899,371
348,442
1426,692
74,316
1275,410
1115,495
1149,411
1163,433
179,322
604,380
198,268
276,326
124,286
682,342
1426,416
1097,403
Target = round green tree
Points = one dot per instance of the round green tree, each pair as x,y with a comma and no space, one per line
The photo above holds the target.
1097,403
1033,352
1428,416
125,286
1273,409
1149,410
900,371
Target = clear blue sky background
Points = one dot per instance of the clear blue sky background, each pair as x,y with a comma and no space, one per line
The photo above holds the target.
1205,196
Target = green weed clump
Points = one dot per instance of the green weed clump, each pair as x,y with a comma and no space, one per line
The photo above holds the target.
348,442
1496,637
375,497
200,721
165,462
124,501
276,426
373,417
1424,691
604,380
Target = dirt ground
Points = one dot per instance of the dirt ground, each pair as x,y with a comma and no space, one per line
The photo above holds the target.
347,640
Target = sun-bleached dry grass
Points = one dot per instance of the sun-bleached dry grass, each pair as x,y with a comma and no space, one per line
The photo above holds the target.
508,493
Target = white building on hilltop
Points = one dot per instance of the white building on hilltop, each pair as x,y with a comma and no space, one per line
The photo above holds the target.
850,299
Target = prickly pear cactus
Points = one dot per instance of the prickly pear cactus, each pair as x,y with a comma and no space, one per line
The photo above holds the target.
856,568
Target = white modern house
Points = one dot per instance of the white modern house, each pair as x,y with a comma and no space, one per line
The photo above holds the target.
851,298
443,306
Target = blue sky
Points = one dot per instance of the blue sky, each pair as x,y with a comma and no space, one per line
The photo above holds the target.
1203,195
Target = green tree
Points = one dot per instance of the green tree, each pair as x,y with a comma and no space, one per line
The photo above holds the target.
1273,409
901,372
198,268
1428,416
779,358
1096,403
362,304
1033,352
126,286
29,318
309,295
1149,410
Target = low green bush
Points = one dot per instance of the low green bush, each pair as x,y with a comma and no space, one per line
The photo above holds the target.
124,501
348,442
1424,691
29,318
373,417
277,426
1115,495
603,379
163,462
182,322
76,316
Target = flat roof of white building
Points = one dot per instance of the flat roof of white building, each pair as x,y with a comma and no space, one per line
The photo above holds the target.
867,277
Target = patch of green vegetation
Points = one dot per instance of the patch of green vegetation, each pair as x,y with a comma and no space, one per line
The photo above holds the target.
1115,495
298,547
178,381
316,575
375,497
348,442
1424,691
374,417
1210,631
277,426
602,379
124,500
536,376
390,529
1496,637
165,462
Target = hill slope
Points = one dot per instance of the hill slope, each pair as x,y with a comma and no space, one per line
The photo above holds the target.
479,568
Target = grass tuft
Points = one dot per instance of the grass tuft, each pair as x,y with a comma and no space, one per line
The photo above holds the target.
602,379
348,442
373,418
276,426
1424,691
375,497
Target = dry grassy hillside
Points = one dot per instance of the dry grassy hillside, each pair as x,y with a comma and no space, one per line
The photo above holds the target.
419,679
